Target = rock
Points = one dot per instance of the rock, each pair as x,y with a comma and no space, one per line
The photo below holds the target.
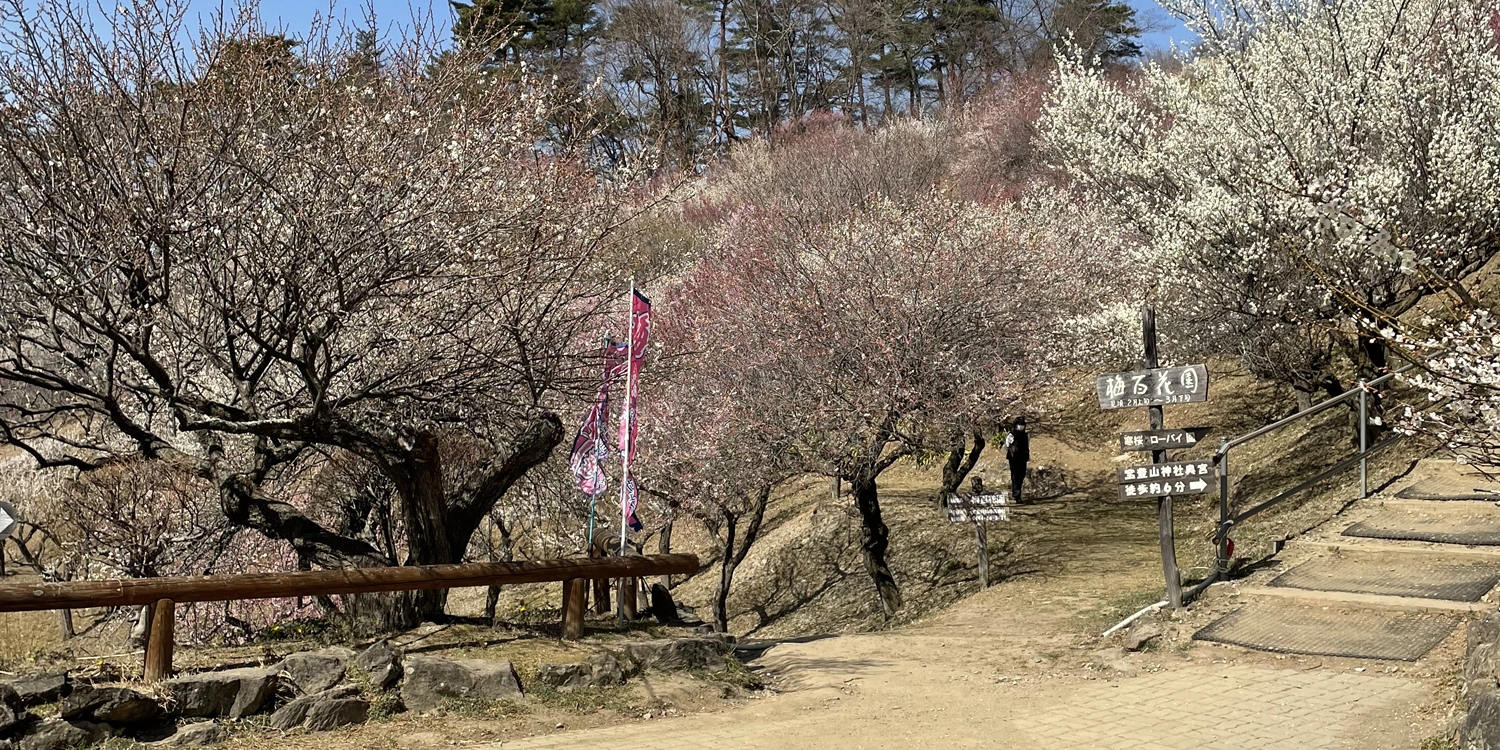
37,689
605,670
10,698
57,734
1481,727
340,712
1141,636
382,663
196,735
234,693
1482,665
601,670
677,654
113,705
294,714
315,671
12,720
663,606
563,675
431,681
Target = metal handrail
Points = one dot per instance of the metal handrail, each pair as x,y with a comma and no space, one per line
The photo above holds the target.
1227,521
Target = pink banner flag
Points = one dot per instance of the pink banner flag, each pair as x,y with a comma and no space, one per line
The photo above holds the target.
640,334
590,449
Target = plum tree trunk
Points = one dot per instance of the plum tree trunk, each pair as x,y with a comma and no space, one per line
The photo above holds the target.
961,461
875,540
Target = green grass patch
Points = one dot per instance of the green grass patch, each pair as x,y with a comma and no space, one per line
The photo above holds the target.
474,708
585,700
734,673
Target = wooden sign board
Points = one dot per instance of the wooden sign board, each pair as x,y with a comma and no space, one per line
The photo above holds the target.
1156,387
1157,480
1160,440
974,508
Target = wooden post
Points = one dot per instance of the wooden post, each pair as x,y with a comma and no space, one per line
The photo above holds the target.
575,592
159,643
1164,503
628,587
982,537
65,623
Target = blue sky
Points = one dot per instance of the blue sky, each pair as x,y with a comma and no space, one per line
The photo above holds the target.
298,14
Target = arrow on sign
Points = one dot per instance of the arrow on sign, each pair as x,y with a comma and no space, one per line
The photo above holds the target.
8,520
1197,485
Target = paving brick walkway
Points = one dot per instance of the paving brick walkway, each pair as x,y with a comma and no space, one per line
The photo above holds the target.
1231,707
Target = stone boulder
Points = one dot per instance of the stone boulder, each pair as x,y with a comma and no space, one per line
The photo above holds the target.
294,713
234,693
1141,636
12,720
202,734
37,689
57,734
601,670
113,705
315,671
382,663
679,654
341,712
431,681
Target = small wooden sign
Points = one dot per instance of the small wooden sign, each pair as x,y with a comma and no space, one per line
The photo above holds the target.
1160,440
975,508
1155,387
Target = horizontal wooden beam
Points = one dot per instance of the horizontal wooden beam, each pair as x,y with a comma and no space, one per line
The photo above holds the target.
132,591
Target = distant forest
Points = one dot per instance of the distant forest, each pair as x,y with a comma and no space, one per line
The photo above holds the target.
689,77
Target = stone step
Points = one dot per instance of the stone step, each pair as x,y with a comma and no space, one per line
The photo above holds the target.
1435,550
1349,598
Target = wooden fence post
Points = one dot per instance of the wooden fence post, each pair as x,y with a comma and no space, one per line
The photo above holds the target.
982,538
628,588
159,643
575,595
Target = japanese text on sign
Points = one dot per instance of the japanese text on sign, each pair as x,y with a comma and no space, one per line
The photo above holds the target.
1156,440
1167,385
979,508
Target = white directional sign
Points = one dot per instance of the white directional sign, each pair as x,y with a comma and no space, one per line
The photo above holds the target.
1157,387
979,508
8,520
1156,480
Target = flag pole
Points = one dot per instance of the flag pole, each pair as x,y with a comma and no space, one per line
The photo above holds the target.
626,418
603,420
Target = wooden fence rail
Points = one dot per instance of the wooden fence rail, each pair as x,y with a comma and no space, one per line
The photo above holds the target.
164,593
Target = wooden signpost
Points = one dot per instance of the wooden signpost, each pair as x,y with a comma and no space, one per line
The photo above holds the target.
978,510
1154,387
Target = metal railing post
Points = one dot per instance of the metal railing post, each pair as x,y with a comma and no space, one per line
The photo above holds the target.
1364,422
1222,467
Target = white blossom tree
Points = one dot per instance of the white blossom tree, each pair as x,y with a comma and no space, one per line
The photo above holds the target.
1313,167
222,249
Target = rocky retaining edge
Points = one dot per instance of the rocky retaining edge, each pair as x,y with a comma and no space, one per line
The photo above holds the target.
328,690
1481,726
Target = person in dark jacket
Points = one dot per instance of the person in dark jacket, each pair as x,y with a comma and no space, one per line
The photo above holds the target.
1017,452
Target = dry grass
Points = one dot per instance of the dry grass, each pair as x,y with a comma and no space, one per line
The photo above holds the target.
26,636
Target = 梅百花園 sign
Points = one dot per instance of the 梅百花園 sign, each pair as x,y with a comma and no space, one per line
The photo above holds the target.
1155,387
1160,440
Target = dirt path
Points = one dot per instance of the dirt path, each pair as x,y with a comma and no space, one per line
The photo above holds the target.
1021,666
